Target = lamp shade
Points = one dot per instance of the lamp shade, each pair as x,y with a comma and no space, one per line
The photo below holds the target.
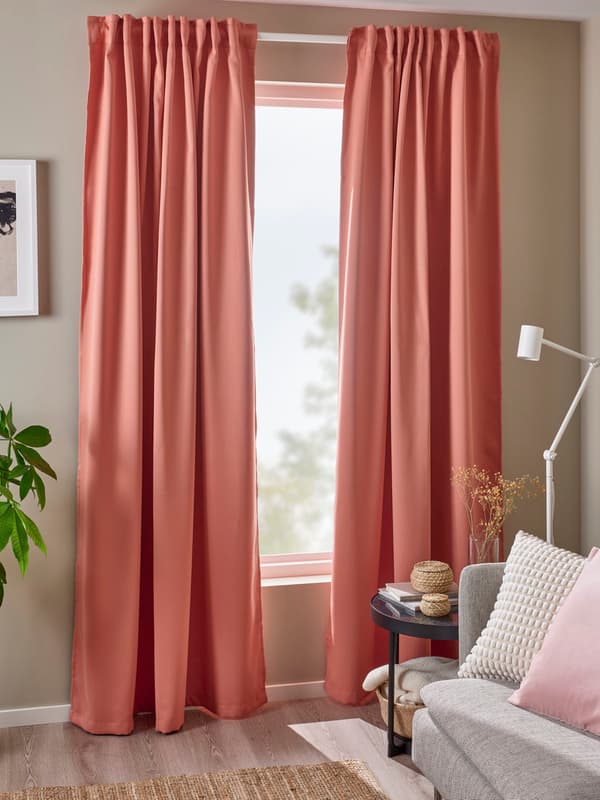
530,342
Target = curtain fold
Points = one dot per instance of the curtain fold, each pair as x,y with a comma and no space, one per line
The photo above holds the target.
168,587
420,387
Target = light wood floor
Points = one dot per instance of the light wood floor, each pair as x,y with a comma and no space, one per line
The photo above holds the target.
300,732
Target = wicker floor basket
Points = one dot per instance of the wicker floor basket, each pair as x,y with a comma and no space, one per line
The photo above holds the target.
403,713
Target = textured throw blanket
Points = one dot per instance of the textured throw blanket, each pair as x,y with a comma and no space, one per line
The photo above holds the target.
412,676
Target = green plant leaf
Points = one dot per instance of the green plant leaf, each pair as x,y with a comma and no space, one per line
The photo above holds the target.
34,436
40,490
20,543
21,465
35,459
6,492
5,465
26,483
9,420
32,530
6,524
4,431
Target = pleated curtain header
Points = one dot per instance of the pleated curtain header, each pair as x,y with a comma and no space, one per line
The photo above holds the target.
394,40
172,30
389,38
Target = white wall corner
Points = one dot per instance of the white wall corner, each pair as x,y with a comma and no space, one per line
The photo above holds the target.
590,277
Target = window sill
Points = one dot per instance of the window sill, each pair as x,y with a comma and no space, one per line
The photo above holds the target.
296,580
286,567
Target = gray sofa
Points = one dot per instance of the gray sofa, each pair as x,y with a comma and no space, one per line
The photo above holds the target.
474,745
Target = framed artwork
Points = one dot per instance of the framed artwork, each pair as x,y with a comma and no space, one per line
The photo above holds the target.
18,239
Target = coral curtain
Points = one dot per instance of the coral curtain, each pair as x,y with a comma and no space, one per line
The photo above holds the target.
167,589
419,317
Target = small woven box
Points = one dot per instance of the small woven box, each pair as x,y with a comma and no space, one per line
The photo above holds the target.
431,576
435,605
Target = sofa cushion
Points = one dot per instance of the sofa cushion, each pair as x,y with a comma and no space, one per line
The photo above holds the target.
522,755
537,578
438,757
576,699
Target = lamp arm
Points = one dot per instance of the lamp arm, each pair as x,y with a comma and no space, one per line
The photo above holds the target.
574,403
550,454
567,350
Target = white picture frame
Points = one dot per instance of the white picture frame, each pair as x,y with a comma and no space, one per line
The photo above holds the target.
18,238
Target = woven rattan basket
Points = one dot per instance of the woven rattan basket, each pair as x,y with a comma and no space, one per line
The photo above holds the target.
435,605
431,576
403,712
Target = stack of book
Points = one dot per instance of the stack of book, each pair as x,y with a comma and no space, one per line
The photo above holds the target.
404,597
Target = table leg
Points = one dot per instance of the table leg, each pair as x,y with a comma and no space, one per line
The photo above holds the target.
396,744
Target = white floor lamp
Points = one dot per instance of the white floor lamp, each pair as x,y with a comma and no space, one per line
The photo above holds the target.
530,349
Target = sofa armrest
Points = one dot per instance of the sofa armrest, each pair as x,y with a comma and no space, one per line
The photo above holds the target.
479,584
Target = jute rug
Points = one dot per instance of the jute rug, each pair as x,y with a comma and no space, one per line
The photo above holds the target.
334,780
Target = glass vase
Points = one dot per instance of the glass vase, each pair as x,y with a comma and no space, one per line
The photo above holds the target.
484,551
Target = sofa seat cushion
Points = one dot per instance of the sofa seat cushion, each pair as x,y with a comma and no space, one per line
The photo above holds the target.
438,757
521,754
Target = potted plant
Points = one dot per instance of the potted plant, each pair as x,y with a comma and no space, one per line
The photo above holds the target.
488,499
21,469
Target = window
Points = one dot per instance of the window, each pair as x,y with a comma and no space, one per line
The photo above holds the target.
298,141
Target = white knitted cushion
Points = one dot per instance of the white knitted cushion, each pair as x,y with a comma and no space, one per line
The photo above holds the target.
537,578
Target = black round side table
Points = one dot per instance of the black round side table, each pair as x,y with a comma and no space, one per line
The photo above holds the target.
397,622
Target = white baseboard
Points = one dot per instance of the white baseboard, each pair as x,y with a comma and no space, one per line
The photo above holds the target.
295,691
43,715
39,715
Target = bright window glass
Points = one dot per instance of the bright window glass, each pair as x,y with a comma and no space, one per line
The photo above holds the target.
295,321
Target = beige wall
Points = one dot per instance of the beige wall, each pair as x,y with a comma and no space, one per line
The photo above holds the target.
590,277
295,619
44,51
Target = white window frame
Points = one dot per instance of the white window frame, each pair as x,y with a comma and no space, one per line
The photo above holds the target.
297,567
299,95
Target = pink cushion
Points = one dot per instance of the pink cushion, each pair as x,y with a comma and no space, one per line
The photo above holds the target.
563,681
